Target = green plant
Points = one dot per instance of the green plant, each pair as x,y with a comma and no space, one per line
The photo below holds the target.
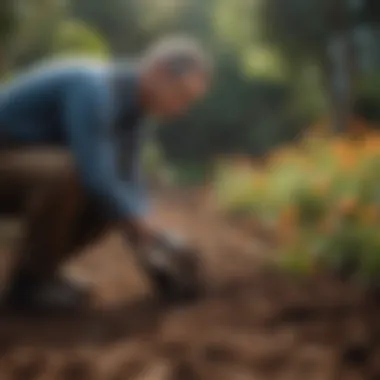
324,199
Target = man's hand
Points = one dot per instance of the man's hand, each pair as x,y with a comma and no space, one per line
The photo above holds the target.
139,233
173,267
170,263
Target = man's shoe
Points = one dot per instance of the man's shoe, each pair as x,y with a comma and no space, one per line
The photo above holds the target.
56,296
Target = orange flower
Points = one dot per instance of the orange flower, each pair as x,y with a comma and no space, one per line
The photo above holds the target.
345,151
259,179
371,143
369,214
347,205
327,224
287,223
321,186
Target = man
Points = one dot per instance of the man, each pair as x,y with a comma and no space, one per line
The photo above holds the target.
95,111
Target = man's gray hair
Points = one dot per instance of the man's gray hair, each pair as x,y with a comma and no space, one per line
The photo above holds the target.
179,54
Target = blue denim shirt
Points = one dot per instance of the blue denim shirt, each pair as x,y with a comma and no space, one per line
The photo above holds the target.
77,104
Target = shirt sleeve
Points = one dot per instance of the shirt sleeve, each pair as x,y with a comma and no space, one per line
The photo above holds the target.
88,116
140,136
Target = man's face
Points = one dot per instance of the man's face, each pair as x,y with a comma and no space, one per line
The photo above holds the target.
172,95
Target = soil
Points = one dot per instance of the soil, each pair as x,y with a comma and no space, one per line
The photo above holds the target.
252,322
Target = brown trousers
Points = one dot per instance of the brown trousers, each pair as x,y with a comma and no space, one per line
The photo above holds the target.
41,185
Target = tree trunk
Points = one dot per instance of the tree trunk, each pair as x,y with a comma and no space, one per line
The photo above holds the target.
339,66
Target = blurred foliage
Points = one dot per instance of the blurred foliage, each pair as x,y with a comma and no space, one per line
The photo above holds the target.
156,169
6,20
74,38
320,198
33,26
335,37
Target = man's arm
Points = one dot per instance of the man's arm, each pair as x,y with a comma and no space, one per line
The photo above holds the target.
140,136
88,117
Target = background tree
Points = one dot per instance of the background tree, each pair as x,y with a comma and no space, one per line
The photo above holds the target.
332,36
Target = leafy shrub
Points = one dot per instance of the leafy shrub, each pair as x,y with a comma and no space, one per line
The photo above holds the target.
323,198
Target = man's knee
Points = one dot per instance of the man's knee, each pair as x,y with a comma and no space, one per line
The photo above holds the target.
31,165
66,206
24,171
43,184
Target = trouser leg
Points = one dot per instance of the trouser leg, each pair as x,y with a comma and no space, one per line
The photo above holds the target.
60,219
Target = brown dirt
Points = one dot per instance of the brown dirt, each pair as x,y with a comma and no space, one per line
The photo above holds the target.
252,323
